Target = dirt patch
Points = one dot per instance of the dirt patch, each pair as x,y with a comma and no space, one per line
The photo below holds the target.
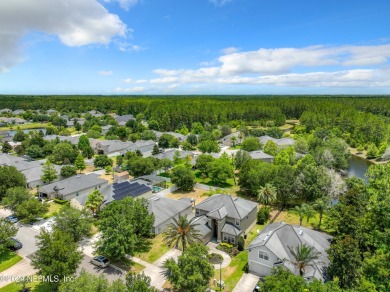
107,177
195,194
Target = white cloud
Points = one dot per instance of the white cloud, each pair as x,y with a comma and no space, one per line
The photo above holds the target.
74,22
128,47
229,50
124,4
130,89
105,73
220,2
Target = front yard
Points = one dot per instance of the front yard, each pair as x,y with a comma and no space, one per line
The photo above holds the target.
8,259
34,287
158,249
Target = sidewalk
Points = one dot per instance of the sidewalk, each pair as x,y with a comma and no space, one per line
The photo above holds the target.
22,268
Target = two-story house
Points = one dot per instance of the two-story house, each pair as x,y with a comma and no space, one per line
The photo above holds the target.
228,217
271,248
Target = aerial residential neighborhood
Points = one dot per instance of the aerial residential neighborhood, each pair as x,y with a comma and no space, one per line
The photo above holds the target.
252,200
194,146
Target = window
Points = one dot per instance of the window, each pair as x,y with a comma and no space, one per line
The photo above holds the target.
237,222
263,255
197,212
224,238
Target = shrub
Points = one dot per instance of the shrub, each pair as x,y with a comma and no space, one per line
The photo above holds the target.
61,202
215,258
241,244
226,247
263,215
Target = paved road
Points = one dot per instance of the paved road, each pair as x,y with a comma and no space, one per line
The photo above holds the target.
26,235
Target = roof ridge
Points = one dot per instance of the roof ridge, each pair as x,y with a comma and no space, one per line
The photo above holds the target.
235,207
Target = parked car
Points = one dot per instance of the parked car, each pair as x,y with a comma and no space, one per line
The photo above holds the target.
11,219
15,244
100,261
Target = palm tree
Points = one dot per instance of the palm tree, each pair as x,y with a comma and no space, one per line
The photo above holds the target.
300,211
182,232
94,201
303,256
267,194
309,212
321,205
233,139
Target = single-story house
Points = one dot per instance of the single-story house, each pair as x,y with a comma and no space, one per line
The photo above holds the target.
135,189
33,175
109,146
165,209
72,139
260,155
73,186
95,113
12,121
122,120
281,143
79,201
71,122
170,154
18,112
144,146
5,136
174,134
227,140
271,248
51,111
5,110
229,217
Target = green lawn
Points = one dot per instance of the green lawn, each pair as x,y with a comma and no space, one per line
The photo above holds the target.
53,208
207,181
290,218
158,249
24,127
34,286
8,259
128,265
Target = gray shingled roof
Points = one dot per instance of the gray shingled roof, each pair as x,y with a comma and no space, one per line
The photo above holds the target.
277,237
72,139
170,154
106,192
203,226
235,206
19,162
218,213
35,173
258,154
73,184
164,208
279,142
231,229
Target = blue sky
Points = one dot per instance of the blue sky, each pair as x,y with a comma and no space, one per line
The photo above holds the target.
194,47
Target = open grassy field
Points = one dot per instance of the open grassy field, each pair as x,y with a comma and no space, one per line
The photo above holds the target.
24,127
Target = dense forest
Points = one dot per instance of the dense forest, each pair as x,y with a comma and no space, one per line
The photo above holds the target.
360,119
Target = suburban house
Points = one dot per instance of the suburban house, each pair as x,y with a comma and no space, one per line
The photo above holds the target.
271,248
281,143
5,136
12,121
74,140
260,155
170,154
95,113
109,146
51,111
165,209
71,187
144,146
122,120
5,111
79,201
174,134
228,217
32,170
71,122
18,112
135,189
227,140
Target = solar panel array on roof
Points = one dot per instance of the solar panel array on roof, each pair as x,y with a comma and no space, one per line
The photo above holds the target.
125,189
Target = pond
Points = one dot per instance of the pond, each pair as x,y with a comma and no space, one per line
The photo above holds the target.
358,167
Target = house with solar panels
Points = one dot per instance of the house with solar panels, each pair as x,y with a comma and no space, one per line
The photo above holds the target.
135,189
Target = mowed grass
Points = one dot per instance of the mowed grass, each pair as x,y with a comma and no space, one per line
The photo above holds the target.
34,287
8,259
207,181
53,209
158,249
24,127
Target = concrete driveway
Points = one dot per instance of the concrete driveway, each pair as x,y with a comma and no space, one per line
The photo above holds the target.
247,283
110,272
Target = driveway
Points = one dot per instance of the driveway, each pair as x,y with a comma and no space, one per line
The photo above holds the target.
110,272
247,283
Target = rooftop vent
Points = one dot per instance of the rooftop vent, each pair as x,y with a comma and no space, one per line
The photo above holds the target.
269,233
300,232
265,238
